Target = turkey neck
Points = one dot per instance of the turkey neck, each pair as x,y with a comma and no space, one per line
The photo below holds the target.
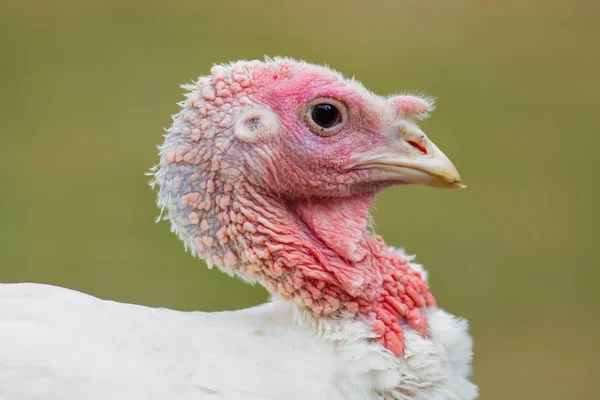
316,252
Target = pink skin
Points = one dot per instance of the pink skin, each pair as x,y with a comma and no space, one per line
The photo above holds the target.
406,106
249,187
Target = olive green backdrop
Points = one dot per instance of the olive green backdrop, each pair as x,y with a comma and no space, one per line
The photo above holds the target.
86,88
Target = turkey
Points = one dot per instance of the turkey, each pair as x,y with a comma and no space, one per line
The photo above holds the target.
268,172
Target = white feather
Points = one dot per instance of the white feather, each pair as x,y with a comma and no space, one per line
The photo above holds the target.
56,343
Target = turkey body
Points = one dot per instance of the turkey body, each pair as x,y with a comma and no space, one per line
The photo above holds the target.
59,344
269,173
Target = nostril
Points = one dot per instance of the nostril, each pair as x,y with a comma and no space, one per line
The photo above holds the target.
417,146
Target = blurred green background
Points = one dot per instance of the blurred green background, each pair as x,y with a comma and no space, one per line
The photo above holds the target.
86,88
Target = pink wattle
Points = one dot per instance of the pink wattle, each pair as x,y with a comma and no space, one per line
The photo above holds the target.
382,286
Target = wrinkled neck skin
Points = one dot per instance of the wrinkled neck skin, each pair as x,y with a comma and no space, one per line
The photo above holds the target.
318,253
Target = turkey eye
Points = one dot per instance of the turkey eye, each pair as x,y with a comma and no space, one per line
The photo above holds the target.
326,115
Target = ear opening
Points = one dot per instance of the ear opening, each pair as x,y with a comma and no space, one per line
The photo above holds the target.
410,106
256,125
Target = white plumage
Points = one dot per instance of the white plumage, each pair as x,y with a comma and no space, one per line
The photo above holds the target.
59,344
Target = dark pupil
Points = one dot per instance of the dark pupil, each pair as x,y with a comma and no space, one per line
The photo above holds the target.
325,115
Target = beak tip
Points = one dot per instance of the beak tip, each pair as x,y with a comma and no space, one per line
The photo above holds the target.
457,184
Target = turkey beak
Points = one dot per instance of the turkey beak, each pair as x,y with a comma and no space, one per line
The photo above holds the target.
411,158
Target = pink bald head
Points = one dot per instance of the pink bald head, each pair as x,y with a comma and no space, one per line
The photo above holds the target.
277,138
269,172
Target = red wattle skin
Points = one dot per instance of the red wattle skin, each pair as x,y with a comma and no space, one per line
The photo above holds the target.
382,284
340,225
